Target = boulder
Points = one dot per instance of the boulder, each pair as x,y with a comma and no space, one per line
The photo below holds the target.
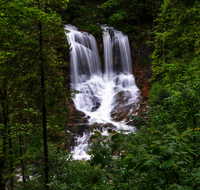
121,108
121,99
120,113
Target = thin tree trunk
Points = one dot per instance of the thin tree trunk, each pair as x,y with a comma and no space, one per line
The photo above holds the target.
163,50
22,161
126,12
107,13
11,160
2,162
24,143
153,15
93,12
164,47
20,143
2,157
138,26
46,167
3,134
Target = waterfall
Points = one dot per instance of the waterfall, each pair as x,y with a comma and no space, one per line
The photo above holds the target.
117,52
84,56
99,88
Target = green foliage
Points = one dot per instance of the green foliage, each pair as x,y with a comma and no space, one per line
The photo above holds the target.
138,121
65,173
176,36
152,158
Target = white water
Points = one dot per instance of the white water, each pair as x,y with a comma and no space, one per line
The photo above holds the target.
99,88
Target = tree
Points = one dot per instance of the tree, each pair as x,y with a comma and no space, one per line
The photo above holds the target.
32,35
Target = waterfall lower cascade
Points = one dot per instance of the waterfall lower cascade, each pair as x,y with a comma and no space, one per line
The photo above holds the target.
100,85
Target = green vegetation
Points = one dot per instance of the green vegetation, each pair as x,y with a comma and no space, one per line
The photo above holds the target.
163,154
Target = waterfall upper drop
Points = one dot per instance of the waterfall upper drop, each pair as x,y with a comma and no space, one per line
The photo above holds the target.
84,56
105,94
117,54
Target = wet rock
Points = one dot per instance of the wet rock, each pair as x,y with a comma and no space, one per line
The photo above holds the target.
121,99
72,109
77,129
121,109
96,103
120,113
100,126
109,125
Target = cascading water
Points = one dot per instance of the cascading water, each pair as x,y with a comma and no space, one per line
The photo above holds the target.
100,88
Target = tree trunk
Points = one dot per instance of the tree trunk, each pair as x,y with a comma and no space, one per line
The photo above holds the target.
24,143
22,161
11,160
153,15
126,12
3,134
164,47
93,12
46,161
138,25
107,13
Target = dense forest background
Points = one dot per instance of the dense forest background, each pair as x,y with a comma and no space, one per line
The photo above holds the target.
165,151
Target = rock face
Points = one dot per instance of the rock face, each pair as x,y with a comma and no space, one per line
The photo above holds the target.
142,68
72,109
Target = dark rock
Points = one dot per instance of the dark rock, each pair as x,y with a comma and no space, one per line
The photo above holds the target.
96,103
77,120
77,129
109,125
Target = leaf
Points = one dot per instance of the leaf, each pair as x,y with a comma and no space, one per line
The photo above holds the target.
131,164
156,151
98,158
181,187
169,150
113,132
109,130
154,161
135,151
108,159
168,164
104,150
180,163
139,165
94,137
97,133
90,152
116,137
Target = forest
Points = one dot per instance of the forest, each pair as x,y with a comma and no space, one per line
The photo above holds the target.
163,153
